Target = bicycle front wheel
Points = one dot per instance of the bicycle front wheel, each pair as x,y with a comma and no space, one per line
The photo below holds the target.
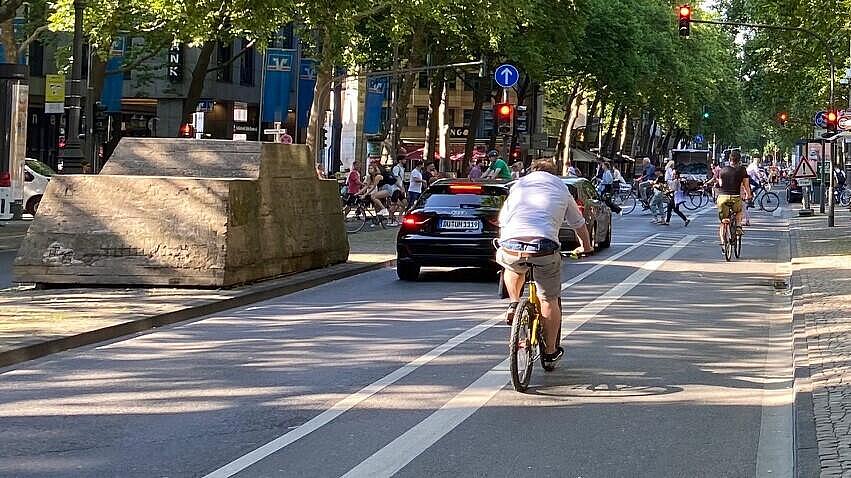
627,202
769,202
520,349
695,200
845,198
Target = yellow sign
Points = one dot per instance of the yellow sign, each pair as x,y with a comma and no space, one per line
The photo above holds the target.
54,88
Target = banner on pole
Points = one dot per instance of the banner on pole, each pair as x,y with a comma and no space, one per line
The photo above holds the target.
278,83
306,87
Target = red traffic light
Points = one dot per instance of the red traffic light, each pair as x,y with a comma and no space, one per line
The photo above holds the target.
503,110
784,117
187,131
831,116
684,13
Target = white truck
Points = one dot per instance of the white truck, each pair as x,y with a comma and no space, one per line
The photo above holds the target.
694,165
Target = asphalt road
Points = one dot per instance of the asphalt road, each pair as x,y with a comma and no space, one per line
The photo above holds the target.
677,364
6,260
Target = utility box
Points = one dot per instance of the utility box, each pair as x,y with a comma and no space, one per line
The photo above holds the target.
14,101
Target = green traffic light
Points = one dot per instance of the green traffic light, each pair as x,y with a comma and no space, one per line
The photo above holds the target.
705,114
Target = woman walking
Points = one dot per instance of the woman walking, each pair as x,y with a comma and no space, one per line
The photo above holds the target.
676,197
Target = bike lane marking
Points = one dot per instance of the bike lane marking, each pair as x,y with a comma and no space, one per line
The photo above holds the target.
405,448
356,398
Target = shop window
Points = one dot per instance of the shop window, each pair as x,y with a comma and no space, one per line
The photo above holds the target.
422,117
224,73
246,66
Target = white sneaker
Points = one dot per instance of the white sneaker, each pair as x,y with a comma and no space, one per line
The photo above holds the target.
384,212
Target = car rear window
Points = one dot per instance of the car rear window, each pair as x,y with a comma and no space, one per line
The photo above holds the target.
442,197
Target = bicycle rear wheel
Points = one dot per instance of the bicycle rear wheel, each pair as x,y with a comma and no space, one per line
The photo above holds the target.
737,244
520,350
769,202
627,202
845,198
355,220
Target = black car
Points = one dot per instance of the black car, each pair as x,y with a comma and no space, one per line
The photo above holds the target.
794,192
453,224
598,216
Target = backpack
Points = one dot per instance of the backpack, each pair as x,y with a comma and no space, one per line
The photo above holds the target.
387,177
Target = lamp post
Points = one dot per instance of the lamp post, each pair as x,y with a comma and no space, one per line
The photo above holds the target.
72,154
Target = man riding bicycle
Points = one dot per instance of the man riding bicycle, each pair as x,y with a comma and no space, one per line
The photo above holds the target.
735,187
529,222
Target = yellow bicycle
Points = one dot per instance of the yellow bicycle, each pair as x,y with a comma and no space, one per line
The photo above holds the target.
527,342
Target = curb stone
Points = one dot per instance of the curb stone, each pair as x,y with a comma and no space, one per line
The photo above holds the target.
260,293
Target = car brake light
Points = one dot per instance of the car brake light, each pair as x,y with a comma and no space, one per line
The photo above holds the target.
465,188
414,221
5,179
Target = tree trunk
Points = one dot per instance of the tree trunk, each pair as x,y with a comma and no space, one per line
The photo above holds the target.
607,139
320,94
196,84
617,140
564,135
415,60
480,92
7,38
600,99
435,88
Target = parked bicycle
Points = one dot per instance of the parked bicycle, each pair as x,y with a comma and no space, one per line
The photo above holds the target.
700,196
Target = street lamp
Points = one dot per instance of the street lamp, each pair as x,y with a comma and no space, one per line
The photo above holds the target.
72,154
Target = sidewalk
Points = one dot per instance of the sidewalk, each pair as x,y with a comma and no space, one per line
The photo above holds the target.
821,281
35,322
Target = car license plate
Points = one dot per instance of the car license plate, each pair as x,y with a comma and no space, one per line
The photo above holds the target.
459,224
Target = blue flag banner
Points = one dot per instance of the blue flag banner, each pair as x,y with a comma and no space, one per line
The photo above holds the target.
376,92
277,84
113,82
306,87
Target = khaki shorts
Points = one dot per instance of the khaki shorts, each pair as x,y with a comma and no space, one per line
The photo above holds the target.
547,271
723,210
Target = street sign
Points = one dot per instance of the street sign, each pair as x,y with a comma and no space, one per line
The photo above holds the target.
820,119
506,75
54,94
805,169
844,121
804,182
698,139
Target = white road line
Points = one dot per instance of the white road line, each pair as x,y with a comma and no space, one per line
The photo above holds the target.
354,399
404,449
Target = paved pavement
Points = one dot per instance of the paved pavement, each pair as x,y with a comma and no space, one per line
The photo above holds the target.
34,322
678,364
821,275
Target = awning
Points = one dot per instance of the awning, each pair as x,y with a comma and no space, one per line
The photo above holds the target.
580,156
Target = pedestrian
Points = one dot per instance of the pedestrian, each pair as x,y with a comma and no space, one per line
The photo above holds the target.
657,200
417,184
430,173
399,169
516,170
498,168
676,197
572,171
604,188
618,179
475,169
353,180
599,173
669,171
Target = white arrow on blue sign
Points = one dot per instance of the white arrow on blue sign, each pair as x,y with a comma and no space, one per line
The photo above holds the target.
698,139
506,75
820,119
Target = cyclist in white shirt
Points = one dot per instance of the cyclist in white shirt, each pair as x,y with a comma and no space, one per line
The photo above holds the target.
529,222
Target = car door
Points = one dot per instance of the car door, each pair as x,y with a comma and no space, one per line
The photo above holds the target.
598,210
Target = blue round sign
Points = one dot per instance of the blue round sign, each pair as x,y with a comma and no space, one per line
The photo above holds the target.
698,139
820,119
506,75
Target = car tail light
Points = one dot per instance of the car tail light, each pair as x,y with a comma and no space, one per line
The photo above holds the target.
581,206
414,221
465,188
5,179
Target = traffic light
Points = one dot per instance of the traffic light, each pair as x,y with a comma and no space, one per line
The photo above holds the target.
684,13
832,120
783,118
186,131
504,113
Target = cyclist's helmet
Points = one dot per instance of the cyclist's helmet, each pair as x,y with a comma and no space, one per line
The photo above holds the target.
493,153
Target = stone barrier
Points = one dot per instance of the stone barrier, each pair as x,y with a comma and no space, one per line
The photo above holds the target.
181,212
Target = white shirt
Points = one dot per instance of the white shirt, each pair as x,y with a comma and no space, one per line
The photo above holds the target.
416,185
617,175
753,171
536,207
399,171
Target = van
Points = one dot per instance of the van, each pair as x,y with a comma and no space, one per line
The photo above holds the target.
36,177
